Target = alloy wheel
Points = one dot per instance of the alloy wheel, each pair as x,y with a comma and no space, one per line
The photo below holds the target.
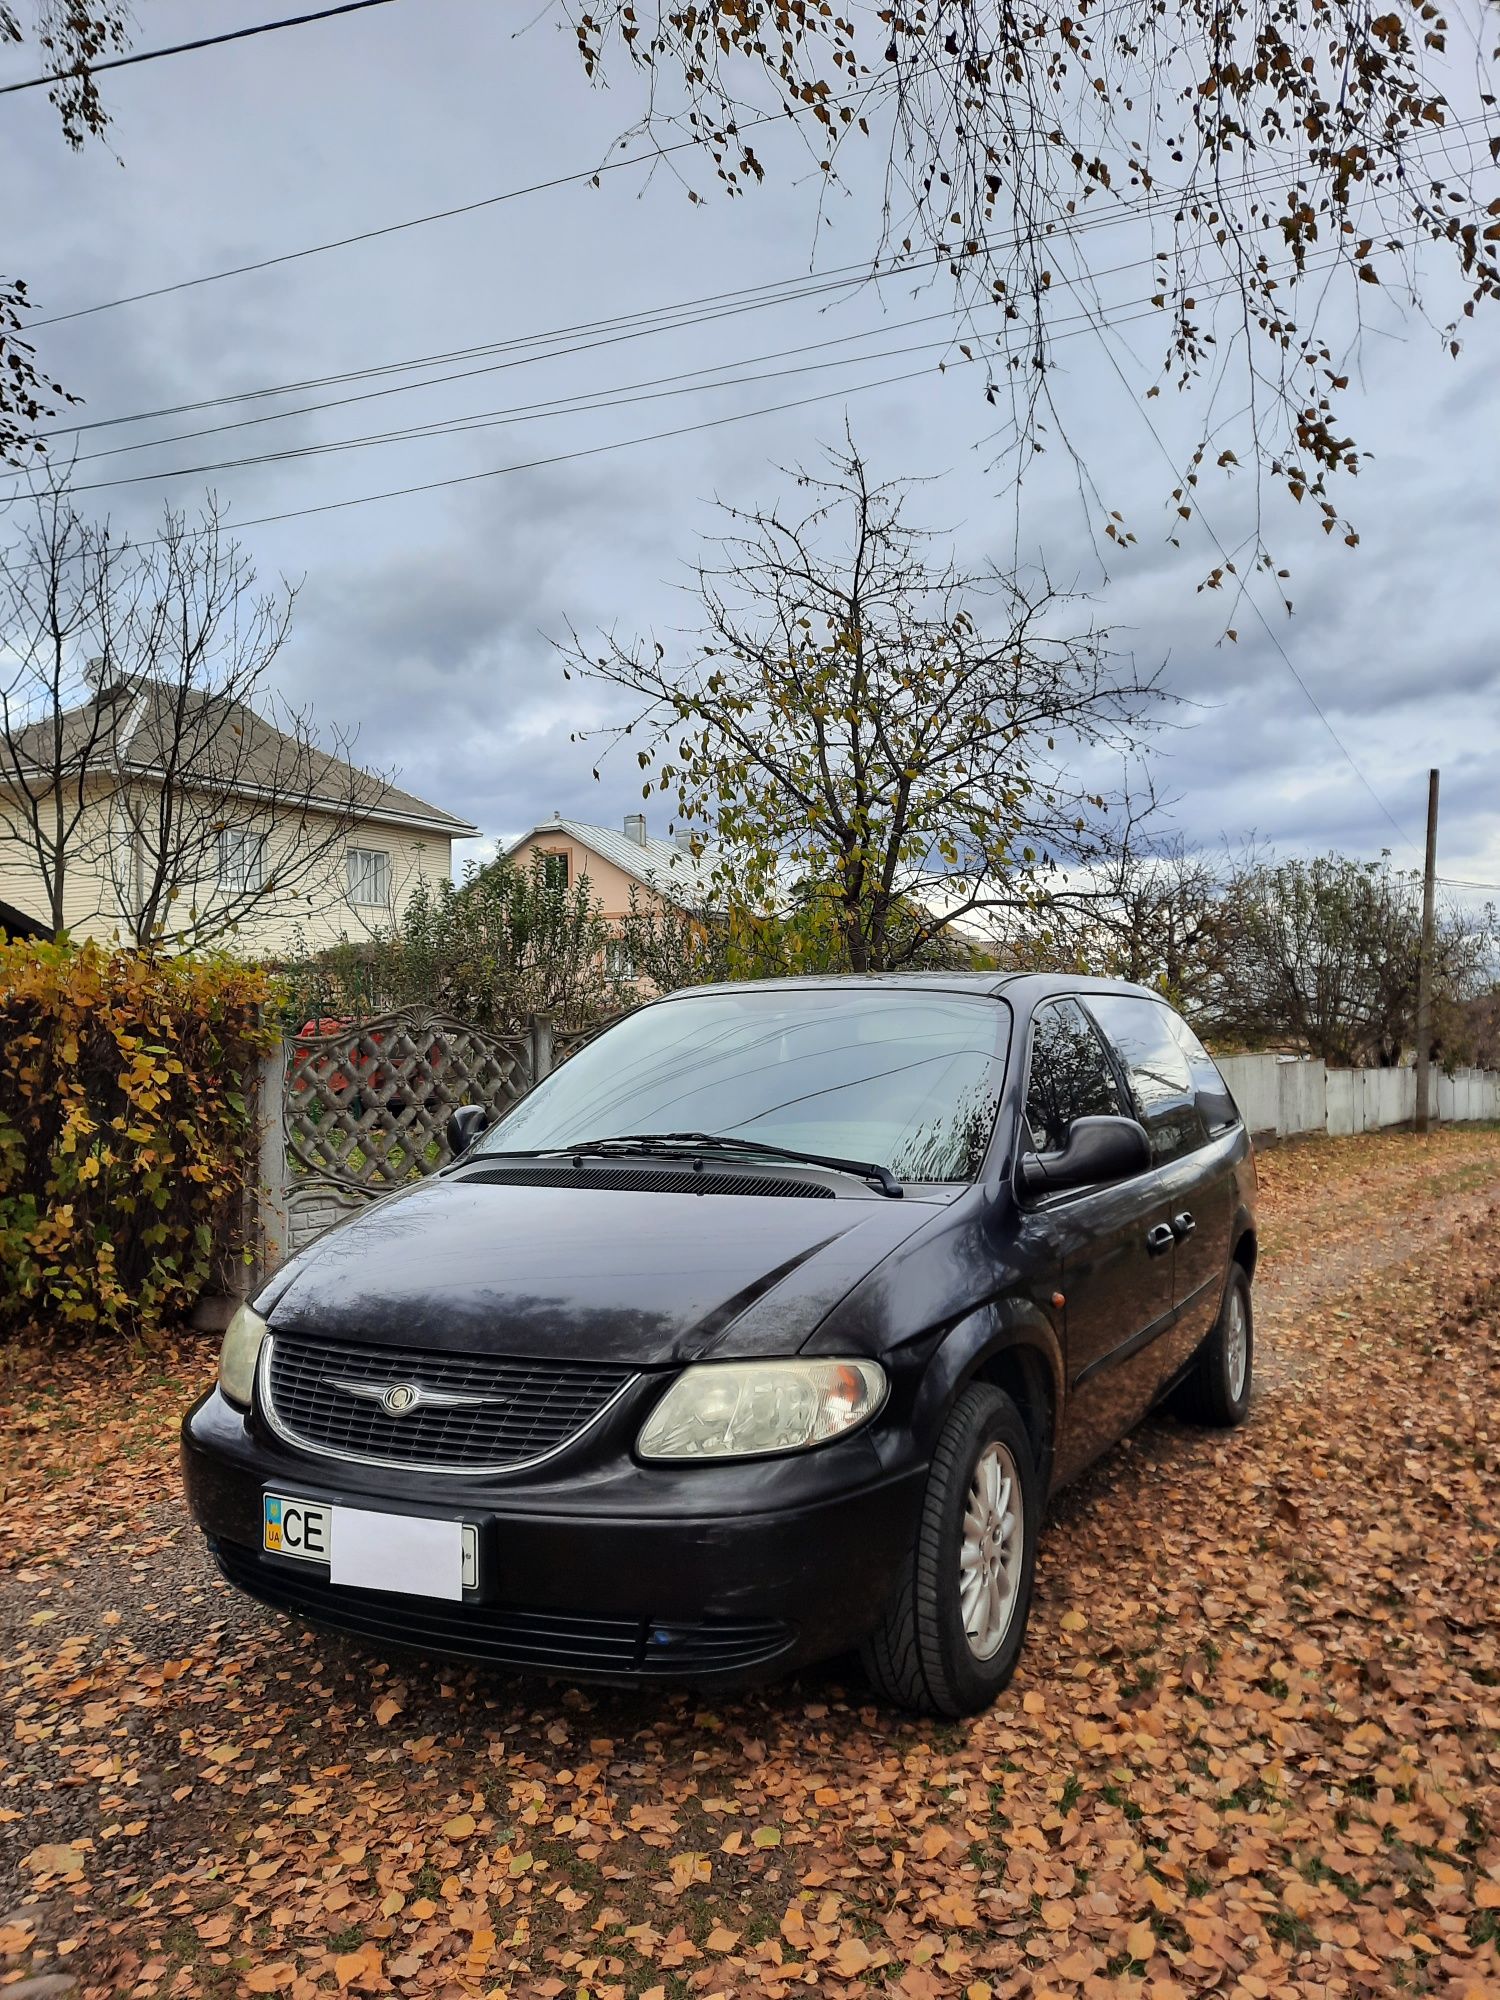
1236,1344
990,1556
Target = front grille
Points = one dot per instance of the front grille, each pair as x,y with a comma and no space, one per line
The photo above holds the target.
652,1180
538,1405
557,1642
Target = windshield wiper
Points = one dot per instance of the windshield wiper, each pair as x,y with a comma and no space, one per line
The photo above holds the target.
674,1143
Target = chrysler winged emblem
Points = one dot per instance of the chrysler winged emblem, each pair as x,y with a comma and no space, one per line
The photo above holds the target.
399,1399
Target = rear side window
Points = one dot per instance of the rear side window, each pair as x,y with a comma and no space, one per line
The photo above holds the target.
1070,1075
1214,1098
1161,1081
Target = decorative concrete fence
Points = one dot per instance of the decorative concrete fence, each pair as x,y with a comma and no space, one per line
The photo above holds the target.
353,1114
1284,1098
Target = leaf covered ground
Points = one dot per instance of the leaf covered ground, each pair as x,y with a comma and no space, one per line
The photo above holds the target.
1253,1748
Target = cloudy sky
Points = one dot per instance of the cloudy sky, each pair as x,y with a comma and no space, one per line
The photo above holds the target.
425,620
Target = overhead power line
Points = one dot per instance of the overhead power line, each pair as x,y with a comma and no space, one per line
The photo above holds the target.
649,157
676,383
567,457
946,314
521,350
834,392
578,405
185,48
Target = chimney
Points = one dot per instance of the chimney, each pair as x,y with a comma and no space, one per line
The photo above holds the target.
635,828
684,843
106,683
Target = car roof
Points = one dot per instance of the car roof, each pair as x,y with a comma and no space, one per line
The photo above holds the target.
1022,986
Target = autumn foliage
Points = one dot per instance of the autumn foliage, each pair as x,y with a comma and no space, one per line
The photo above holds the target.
124,1130
1252,1753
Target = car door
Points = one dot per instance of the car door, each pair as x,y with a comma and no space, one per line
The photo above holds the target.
1114,1243
1209,1195
1190,1169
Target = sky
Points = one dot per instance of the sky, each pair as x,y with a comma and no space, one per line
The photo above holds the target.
428,623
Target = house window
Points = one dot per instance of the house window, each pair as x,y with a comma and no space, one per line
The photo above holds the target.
242,858
370,876
619,962
555,870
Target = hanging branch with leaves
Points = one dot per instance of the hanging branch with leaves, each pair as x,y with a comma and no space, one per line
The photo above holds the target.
1273,161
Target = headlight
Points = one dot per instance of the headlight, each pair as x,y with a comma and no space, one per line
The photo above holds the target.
743,1409
239,1354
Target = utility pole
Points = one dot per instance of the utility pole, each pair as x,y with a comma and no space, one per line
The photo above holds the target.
1424,966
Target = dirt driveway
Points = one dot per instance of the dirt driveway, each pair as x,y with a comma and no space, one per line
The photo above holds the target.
1253,1750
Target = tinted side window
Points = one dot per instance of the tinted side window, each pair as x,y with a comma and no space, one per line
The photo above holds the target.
1070,1075
1215,1100
1160,1079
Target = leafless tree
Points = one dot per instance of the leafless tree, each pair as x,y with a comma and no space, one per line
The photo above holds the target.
149,776
892,740
1323,955
56,580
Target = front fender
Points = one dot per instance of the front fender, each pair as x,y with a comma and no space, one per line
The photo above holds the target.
999,1328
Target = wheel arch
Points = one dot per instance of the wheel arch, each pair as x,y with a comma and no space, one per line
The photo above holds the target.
1246,1251
1016,1349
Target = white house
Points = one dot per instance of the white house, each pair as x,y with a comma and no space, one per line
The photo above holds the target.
252,825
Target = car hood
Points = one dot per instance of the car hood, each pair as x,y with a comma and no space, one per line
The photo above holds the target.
651,1279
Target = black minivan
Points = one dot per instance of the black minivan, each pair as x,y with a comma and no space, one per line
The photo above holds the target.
761,1329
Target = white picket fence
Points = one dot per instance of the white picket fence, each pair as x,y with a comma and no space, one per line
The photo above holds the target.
1288,1097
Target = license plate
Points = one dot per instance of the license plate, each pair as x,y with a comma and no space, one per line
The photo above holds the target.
411,1553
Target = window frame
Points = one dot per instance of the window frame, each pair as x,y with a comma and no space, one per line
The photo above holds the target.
619,961
382,855
1051,1198
251,841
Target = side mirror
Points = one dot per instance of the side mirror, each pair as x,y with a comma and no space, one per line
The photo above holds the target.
1098,1150
464,1126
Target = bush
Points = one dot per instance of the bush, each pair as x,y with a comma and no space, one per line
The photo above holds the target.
125,1132
505,944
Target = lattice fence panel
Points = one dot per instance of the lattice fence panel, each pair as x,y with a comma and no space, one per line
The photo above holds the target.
365,1105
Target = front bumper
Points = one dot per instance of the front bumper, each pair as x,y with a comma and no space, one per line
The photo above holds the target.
615,1571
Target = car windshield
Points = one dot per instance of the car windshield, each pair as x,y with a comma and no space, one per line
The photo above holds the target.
907,1079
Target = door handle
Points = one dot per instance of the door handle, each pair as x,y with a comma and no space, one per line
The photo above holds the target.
1160,1239
1183,1225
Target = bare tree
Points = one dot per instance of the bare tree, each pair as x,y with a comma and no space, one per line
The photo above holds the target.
1164,921
885,738
1323,954
149,776
56,585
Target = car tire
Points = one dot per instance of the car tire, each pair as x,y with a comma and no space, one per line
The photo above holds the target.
952,1630
1217,1388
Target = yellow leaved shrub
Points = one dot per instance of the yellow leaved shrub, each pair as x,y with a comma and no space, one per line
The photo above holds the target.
126,1132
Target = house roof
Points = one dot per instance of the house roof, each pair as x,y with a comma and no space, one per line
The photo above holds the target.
132,727
17,924
658,864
